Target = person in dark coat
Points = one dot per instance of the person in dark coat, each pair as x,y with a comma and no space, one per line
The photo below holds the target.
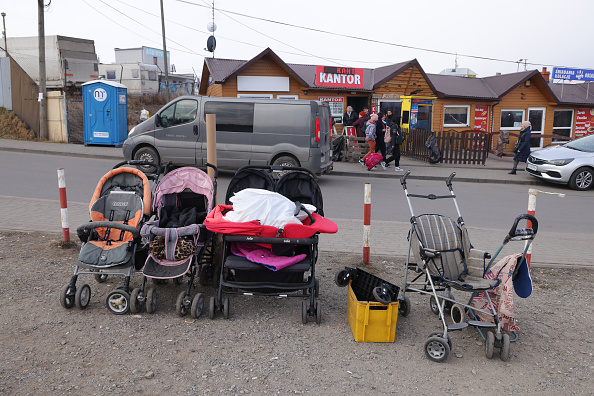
359,123
395,132
349,117
380,132
522,151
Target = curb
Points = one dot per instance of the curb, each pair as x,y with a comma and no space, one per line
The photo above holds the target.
68,154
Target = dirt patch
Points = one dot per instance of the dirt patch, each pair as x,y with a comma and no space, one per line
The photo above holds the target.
263,348
12,127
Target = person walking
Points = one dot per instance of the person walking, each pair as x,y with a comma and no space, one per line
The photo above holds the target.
359,124
522,148
397,139
349,118
380,132
370,137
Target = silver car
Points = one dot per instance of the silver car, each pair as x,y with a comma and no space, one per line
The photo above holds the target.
570,163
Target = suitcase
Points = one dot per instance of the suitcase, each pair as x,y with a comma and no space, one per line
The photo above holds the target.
372,160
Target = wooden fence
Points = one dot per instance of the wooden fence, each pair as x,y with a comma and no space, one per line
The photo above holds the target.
455,147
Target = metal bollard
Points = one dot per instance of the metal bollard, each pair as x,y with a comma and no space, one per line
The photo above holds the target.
366,222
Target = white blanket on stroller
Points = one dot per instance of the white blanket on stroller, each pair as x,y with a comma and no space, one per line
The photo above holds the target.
502,296
268,207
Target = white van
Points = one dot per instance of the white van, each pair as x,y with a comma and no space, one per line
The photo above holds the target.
249,132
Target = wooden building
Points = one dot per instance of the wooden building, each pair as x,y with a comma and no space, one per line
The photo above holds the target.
424,101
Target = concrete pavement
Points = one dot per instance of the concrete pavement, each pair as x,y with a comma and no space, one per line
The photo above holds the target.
550,248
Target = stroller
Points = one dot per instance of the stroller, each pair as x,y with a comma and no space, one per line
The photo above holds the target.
120,205
179,242
445,260
252,249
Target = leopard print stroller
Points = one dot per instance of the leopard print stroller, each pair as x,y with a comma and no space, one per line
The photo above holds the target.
179,242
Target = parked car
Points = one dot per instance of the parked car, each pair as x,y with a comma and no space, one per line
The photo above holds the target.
570,163
249,132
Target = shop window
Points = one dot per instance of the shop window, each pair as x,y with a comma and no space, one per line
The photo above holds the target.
232,116
562,124
110,74
511,119
456,116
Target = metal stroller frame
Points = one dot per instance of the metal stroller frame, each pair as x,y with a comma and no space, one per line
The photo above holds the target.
118,300
439,344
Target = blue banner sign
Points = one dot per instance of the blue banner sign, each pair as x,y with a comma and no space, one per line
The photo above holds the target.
563,73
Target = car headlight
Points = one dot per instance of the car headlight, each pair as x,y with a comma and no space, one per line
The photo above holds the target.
560,162
131,131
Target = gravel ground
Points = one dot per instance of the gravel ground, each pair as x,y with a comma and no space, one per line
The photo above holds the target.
263,348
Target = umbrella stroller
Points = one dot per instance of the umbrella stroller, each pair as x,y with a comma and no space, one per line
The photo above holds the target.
444,259
112,245
180,243
270,260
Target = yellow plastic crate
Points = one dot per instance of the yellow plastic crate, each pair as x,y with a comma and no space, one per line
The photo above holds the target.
371,321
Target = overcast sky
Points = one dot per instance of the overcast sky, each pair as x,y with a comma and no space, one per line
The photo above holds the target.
546,33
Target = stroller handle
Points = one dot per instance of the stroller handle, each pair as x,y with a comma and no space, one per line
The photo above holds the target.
449,180
140,163
403,178
523,233
108,224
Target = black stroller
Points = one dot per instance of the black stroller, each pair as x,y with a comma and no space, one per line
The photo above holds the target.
243,273
444,259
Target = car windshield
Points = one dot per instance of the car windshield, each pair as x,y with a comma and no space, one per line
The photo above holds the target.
583,144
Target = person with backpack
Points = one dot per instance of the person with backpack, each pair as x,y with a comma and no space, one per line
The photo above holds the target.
396,140
370,137
382,132
359,124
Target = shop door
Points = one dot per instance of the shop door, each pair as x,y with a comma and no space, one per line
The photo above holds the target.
395,106
536,116
424,117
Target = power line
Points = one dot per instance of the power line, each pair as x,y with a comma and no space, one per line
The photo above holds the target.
363,39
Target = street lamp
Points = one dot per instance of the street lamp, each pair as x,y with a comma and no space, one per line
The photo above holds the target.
4,31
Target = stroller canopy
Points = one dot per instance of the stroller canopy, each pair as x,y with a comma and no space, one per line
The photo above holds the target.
124,179
178,180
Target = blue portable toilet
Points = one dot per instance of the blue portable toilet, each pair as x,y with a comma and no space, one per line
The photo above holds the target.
105,113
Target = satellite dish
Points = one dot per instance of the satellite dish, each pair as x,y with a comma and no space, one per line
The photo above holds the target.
211,27
211,44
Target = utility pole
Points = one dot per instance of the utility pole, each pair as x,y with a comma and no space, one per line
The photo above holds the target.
165,54
43,134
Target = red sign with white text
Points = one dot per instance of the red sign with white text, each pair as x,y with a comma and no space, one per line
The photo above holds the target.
584,122
481,117
339,77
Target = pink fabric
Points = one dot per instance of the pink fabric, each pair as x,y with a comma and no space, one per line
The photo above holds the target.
502,296
179,179
261,255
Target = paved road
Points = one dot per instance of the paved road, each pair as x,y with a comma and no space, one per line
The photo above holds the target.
551,248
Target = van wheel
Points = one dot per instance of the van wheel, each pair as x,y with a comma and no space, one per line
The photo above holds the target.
147,154
285,161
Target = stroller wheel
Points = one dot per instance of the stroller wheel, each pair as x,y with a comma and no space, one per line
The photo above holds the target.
101,278
458,313
440,334
134,301
489,344
318,312
437,349
211,308
197,305
304,312
226,307
83,296
382,294
151,300
342,278
504,352
404,306
118,302
434,305
182,304
67,297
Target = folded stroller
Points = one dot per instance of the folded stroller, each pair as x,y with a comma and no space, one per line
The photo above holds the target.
445,260
179,241
265,260
120,205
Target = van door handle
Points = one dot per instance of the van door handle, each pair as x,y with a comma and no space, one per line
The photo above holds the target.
195,129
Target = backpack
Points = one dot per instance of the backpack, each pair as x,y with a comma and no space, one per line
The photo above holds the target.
364,126
387,136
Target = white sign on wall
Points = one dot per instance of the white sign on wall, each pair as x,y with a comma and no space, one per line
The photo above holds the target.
100,94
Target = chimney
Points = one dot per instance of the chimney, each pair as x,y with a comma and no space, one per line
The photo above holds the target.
545,74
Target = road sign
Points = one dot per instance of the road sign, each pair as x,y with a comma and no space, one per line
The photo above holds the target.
563,73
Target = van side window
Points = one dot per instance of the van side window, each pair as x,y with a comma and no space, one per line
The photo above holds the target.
231,116
180,112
